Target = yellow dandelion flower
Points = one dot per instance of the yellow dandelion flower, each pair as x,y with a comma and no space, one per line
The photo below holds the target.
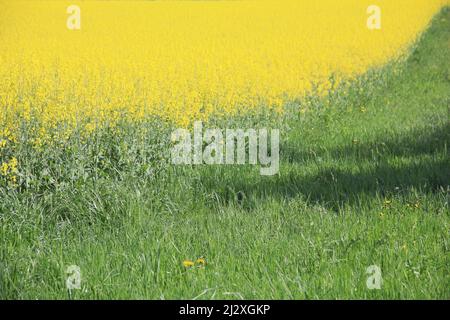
201,262
188,263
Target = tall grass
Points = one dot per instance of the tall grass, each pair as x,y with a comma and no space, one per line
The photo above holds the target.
364,180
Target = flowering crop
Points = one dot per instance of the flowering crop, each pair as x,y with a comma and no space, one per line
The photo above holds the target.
183,60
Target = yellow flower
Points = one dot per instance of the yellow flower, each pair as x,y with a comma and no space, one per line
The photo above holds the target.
13,164
188,263
201,262
220,71
4,169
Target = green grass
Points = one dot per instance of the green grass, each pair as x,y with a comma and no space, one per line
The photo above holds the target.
364,180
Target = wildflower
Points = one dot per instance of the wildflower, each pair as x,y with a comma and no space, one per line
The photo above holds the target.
188,263
4,169
13,164
201,262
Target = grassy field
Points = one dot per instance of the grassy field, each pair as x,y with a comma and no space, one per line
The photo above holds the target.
364,180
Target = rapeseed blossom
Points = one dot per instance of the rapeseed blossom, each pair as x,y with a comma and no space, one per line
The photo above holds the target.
182,61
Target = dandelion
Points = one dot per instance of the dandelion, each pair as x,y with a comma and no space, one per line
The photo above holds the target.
201,262
188,263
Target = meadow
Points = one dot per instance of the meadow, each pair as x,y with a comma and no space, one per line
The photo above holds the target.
85,172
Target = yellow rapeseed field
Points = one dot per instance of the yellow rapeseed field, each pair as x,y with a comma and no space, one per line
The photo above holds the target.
184,60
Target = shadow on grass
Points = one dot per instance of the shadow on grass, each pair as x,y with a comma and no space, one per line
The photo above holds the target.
357,172
346,175
424,141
